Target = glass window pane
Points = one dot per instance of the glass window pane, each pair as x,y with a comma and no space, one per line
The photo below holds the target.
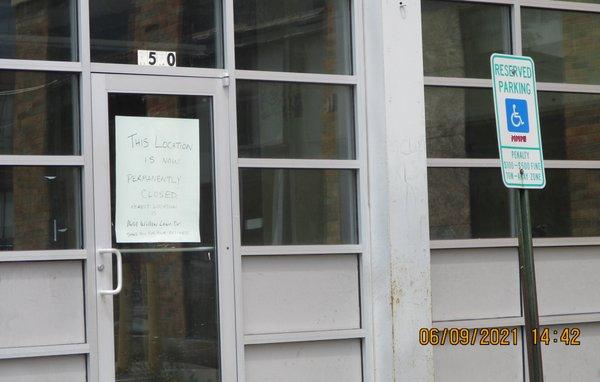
568,206
166,318
170,106
472,203
40,208
458,38
294,36
564,45
468,203
289,120
40,30
460,123
570,125
281,207
39,113
191,29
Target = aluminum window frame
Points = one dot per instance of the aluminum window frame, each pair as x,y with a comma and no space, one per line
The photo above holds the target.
358,165
83,161
105,84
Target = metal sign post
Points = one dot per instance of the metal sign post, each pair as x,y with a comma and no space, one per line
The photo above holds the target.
522,164
528,287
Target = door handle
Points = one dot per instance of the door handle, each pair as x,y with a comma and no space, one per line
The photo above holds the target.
117,254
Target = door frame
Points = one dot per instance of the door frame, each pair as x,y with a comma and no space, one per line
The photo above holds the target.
217,88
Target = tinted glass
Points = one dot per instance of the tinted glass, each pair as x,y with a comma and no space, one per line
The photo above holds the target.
473,203
167,106
564,45
468,203
460,123
40,208
289,120
293,35
570,125
38,30
166,322
190,28
568,206
458,38
166,317
282,207
39,113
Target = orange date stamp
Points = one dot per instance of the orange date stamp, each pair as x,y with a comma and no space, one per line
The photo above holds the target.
496,336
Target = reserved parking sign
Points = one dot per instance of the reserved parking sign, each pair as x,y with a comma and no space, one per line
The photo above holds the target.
517,121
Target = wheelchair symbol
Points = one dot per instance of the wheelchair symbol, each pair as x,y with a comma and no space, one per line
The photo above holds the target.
517,115
515,118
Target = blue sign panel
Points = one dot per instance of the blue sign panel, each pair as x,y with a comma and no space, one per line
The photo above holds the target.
517,115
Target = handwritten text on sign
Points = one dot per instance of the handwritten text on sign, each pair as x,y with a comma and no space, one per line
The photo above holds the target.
157,180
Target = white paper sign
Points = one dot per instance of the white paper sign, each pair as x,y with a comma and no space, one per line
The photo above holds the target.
157,180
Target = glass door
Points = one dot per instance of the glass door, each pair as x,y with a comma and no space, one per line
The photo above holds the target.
163,229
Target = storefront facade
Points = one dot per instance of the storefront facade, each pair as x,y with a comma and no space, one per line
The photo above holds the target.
185,192
267,190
